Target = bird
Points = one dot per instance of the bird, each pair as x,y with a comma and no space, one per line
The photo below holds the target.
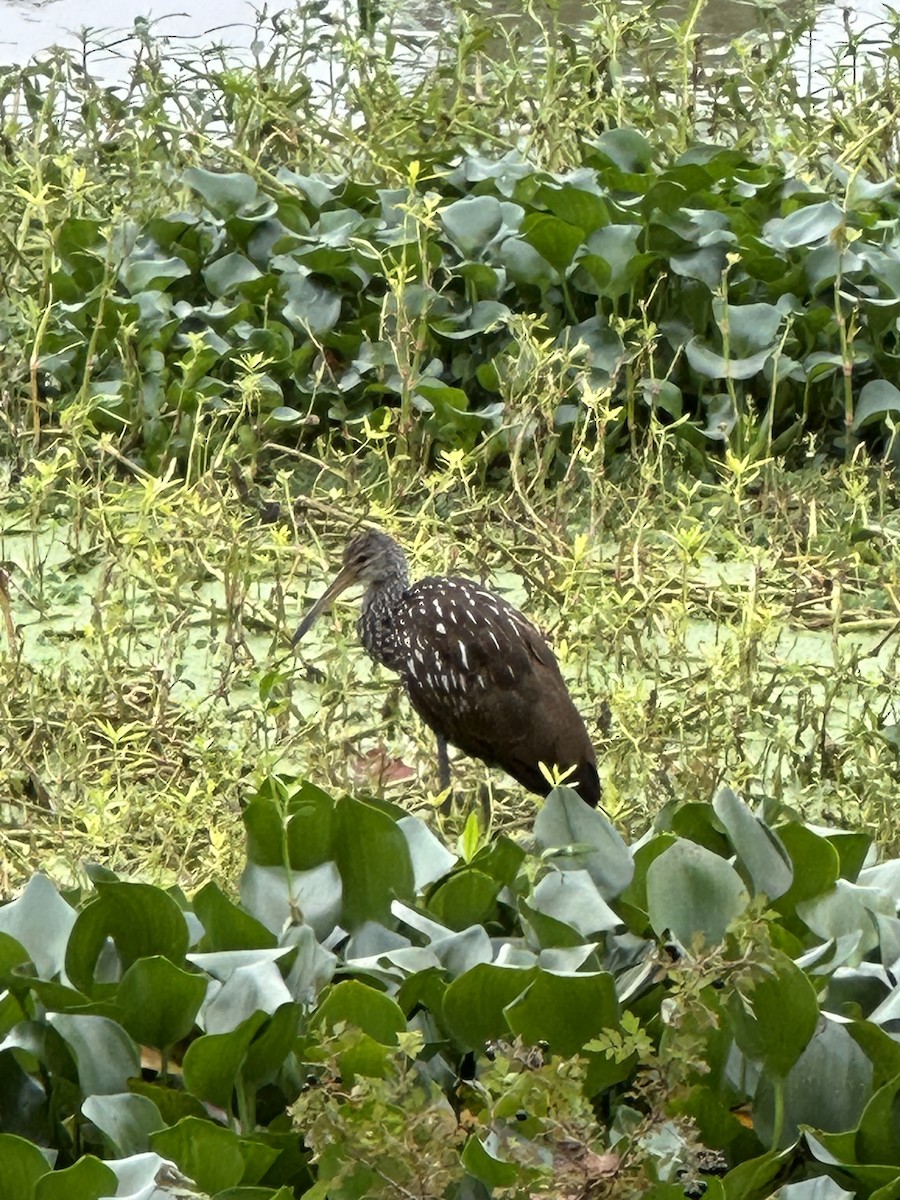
477,672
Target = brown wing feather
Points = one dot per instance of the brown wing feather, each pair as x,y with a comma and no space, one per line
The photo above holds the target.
481,675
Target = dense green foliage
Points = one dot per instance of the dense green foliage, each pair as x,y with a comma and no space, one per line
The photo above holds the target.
459,1022
555,307
714,293
391,274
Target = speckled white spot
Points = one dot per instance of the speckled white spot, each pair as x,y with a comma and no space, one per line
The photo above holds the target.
462,655
441,627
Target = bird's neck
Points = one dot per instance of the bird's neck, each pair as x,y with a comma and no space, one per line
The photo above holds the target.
376,623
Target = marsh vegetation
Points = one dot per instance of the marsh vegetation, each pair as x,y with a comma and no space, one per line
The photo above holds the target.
577,314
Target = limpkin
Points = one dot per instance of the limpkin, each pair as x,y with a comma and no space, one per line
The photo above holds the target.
475,670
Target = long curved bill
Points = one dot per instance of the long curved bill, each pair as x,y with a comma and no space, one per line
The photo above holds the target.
344,579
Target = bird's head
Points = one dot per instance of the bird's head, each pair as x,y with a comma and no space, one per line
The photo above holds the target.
371,558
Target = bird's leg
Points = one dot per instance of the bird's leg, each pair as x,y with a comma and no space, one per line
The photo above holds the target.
444,772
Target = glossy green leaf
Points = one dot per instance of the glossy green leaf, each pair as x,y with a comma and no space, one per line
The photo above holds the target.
555,240
475,1003
371,1011
227,926
712,365
812,1095
159,1001
774,1018
564,1010
627,148
21,1166
139,919
374,863
212,1064
126,1120
87,1179
228,273
151,274
758,849
480,1160
301,823
815,865
206,1153
805,225
464,898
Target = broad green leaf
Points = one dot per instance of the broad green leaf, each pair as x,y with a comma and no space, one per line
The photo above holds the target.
304,820
24,1104
21,1166
272,1046
705,265
881,1049
105,1055
878,1137
847,909
212,1064
227,926
697,822
754,1176
525,266
757,847
159,1001
372,856
472,222
822,1188
628,149
577,206
480,1160
227,274
429,856
815,865
555,240
475,1003
205,1152
750,327
276,897
712,365
367,1009
564,1010
40,921
87,1179
224,192
140,274
585,839
573,898
827,1088
313,966
691,892
878,399
140,920
248,990
774,1019
126,1120
465,898
804,226
312,308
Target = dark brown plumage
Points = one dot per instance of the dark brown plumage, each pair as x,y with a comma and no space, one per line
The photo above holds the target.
476,671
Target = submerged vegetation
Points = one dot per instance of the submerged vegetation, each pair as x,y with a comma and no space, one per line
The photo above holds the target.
584,313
